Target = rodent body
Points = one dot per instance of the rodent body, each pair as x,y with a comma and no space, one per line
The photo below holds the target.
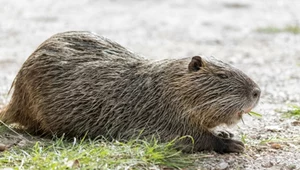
79,83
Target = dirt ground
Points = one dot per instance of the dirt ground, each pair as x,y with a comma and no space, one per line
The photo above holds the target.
157,29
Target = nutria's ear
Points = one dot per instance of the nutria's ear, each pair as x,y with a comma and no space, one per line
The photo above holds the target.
196,63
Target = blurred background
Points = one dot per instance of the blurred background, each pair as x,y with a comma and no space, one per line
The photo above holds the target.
255,36
262,38
259,37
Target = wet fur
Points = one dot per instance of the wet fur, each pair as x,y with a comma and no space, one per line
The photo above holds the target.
79,83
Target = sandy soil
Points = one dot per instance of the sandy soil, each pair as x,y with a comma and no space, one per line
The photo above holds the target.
177,28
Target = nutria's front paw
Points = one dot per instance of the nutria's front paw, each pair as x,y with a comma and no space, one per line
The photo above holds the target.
233,146
228,146
224,134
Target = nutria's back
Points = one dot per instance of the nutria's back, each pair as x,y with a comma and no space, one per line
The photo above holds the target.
79,83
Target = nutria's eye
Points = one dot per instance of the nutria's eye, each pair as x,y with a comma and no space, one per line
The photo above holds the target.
222,76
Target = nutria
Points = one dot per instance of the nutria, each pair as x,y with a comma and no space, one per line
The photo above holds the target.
79,83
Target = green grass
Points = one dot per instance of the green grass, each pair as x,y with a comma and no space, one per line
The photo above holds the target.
97,154
269,30
293,111
293,29
280,139
255,114
244,138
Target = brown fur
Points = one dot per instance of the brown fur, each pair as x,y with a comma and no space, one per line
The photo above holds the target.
79,83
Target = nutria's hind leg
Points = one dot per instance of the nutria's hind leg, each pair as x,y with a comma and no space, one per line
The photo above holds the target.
18,110
8,114
2,113
11,115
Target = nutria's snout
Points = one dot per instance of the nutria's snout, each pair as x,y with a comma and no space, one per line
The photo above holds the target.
254,99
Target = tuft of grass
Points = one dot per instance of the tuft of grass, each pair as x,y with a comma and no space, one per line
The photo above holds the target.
293,111
255,114
96,154
294,139
2,129
293,29
269,30
244,138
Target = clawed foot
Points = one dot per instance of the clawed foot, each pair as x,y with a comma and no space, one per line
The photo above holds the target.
220,142
234,146
224,134
230,146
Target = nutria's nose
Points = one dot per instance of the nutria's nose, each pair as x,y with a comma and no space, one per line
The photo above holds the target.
256,93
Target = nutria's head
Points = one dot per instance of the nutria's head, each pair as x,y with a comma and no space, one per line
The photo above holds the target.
215,93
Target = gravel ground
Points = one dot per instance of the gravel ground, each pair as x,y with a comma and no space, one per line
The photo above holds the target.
177,28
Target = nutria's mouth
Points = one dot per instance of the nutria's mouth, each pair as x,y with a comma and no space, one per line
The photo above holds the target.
244,111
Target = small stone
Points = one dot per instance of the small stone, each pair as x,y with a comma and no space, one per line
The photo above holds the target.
296,123
22,143
2,147
267,164
273,128
223,165
255,136
276,146
76,164
292,167
73,163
